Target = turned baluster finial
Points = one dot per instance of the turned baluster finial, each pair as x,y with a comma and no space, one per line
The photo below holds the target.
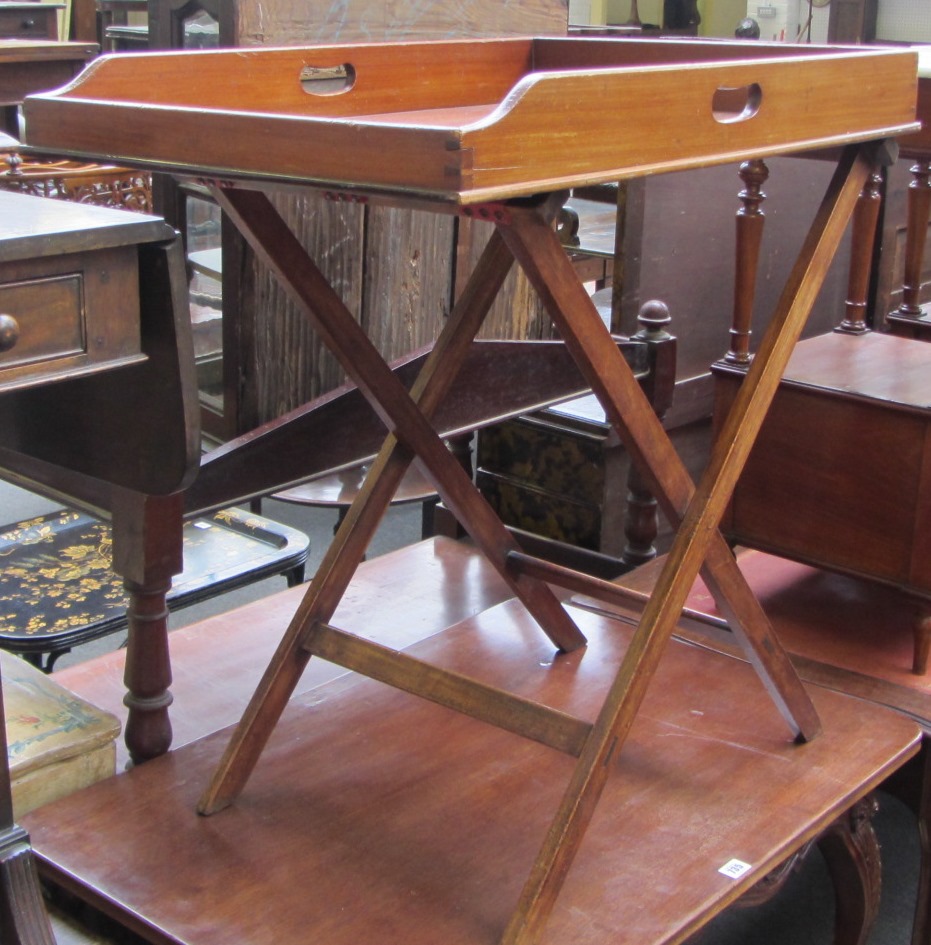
750,219
863,238
919,207
653,319
640,521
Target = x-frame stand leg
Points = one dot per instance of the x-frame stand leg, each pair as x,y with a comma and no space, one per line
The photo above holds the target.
697,544
694,545
271,238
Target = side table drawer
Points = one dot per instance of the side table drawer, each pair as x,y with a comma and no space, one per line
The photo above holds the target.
48,316
65,316
29,21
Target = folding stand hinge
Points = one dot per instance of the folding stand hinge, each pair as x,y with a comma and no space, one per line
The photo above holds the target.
345,196
491,212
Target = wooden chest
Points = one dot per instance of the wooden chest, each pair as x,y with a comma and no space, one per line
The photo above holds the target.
840,476
560,473
57,742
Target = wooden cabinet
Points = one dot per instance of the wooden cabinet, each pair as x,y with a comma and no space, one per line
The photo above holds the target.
840,476
68,290
94,369
68,298
559,473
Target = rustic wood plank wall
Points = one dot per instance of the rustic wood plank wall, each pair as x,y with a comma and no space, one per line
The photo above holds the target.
394,269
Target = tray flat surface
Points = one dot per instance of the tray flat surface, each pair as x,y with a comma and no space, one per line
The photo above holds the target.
479,119
373,816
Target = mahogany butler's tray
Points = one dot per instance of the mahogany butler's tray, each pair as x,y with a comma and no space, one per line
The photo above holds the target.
467,123
474,120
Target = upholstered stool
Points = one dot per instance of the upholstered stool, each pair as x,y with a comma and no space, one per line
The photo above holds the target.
56,742
57,589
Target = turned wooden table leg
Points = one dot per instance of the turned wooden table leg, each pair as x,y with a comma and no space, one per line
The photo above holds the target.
865,219
919,208
851,851
147,552
750,221
640,520
23,919
922,648
921,929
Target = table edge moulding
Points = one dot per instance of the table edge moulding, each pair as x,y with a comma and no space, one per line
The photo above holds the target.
497,129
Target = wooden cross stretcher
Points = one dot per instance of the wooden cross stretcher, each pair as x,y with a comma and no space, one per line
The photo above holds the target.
450,154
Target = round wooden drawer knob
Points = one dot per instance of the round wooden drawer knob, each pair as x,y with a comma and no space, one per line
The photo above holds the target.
9,332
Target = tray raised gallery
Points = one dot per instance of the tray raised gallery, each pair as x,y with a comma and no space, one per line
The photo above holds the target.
474,120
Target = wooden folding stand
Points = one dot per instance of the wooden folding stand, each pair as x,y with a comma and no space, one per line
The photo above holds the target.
483,129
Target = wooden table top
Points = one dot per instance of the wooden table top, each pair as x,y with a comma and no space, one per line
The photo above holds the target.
857,366
36,227
375,816
843,632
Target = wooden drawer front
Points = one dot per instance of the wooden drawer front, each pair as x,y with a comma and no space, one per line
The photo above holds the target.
29,24
50,317
76,313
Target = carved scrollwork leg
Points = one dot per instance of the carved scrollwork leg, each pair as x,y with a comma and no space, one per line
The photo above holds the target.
921,930
851,851
773,881
23,919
